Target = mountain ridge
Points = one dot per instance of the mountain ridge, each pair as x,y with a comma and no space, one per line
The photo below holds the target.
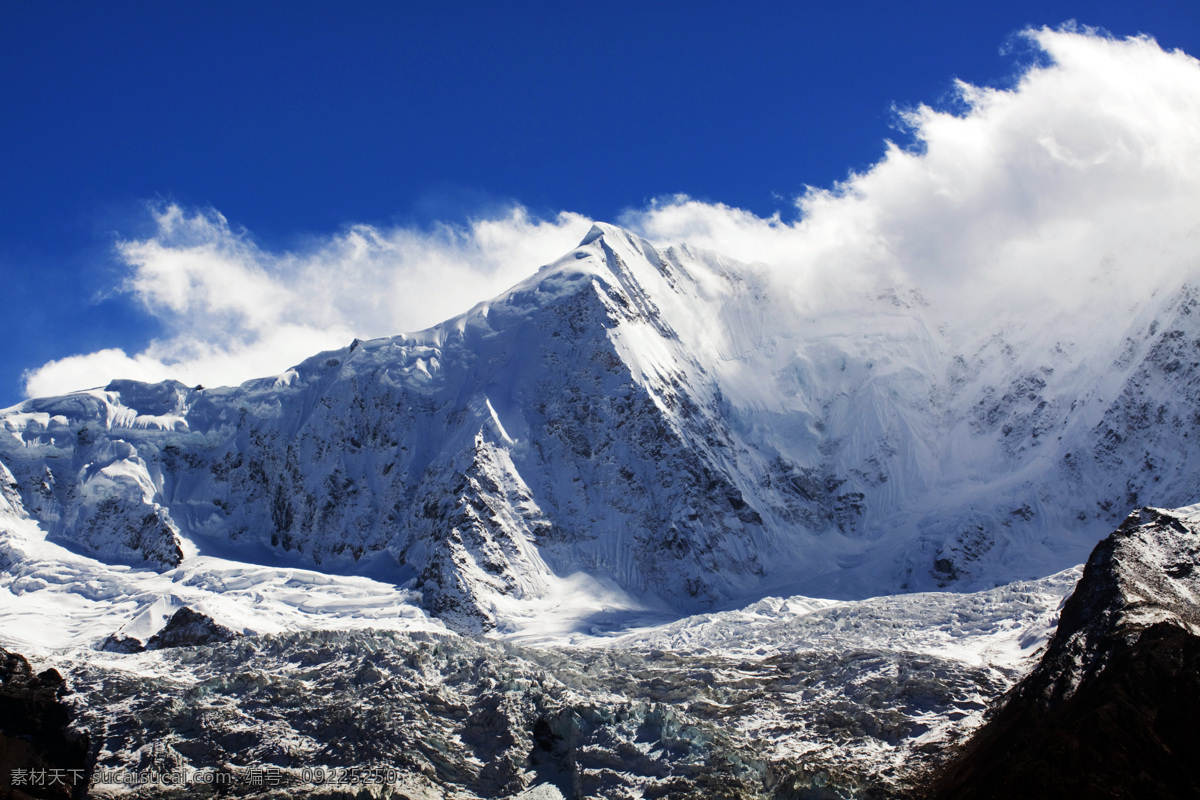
654,417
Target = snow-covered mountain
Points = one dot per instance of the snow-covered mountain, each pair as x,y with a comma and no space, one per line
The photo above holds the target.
661,423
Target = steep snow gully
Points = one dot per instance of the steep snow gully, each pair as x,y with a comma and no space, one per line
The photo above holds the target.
871,518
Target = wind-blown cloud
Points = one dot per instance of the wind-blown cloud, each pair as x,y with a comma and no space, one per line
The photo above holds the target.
233,311
1072,194
1077,187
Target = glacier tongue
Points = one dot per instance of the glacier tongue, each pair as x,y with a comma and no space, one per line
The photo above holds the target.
661,422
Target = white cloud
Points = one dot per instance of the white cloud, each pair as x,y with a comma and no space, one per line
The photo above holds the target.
1079,186
233,311
1077,190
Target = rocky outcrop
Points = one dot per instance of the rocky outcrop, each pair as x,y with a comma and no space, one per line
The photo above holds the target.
188,628
1111,709
120,643
41,754
185,628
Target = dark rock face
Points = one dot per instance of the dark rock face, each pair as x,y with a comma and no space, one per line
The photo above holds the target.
118,643
146,532
186,628
1111,709
40,754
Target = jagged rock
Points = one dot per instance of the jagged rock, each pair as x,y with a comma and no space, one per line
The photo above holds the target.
10,494
119,643
188,628
122,529
1111,709
41,754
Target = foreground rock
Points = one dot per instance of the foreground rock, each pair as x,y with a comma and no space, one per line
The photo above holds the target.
41,755
1111,710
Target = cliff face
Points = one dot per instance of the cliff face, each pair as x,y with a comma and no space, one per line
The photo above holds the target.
1110,710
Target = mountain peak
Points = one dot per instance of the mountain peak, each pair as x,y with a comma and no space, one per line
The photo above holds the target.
601,229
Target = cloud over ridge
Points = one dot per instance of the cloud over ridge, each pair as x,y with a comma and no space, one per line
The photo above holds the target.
233,311
1076,189
1086,172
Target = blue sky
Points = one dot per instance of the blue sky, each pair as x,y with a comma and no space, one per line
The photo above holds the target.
296,121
